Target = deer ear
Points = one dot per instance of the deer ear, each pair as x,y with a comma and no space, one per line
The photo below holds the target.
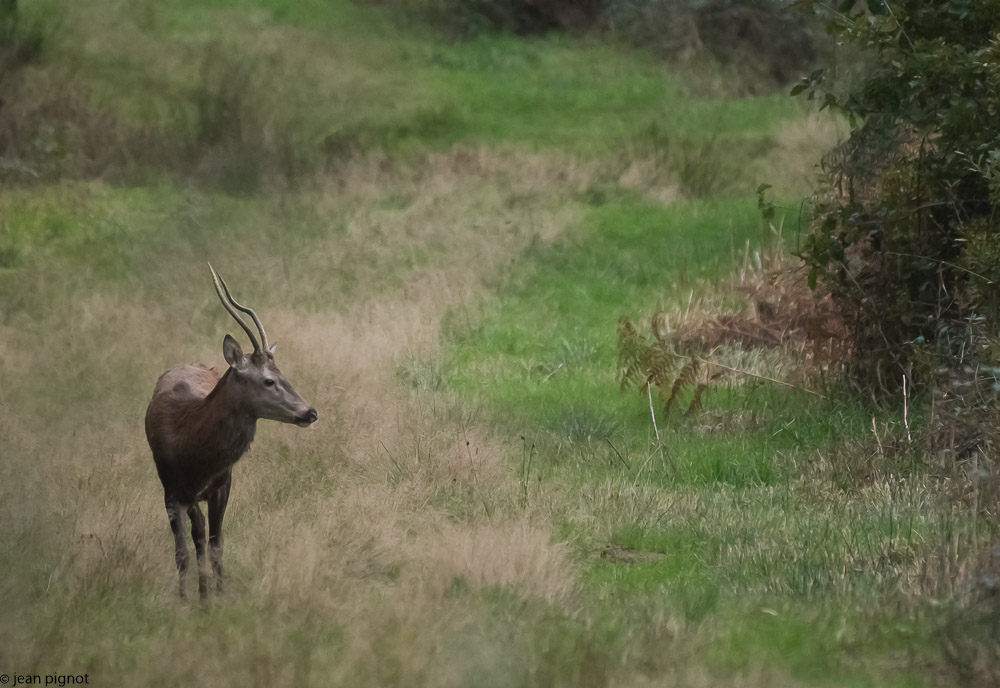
233,353
271,350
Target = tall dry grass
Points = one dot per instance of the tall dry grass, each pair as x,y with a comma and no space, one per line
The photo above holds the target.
362,550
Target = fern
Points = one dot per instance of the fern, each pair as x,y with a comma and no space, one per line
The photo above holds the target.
658,364
648,363
695,405
684,379
631,348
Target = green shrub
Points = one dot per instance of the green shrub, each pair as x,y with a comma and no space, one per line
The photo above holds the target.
905,232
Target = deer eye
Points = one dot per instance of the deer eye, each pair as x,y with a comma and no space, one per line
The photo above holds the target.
269,382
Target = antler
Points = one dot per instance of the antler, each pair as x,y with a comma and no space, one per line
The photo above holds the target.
229,303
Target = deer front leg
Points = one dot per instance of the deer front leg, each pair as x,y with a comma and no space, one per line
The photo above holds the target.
176,517
217,501
198,535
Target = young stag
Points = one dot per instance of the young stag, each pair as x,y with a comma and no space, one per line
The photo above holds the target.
199,424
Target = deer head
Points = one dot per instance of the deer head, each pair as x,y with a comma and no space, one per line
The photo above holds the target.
260,388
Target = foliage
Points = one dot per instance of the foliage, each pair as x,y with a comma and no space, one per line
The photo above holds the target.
20,42
656,364
905,239
760,40
905,233
522,17
236,141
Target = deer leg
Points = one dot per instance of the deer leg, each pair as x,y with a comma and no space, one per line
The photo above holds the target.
217,501
198,535
176,516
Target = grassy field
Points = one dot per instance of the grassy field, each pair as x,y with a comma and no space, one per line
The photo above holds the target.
441,237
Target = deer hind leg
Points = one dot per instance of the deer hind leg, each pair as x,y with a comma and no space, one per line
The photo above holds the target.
217,501
198,535
175,514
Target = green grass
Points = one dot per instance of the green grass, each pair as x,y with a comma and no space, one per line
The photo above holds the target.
542,357
416,91
546,352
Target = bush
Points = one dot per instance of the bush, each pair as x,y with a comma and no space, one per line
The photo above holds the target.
232,136
906,231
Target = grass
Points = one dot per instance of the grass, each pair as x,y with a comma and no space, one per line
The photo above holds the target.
443,272
301,101
717,527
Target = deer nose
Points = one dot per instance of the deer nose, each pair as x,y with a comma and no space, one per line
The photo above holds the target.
307,418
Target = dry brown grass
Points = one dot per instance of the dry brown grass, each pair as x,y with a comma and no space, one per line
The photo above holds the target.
365,522
798,144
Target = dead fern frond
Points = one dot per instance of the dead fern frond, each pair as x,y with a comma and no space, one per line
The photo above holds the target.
655,362
695,406
658,363
631,349
685,378
660,326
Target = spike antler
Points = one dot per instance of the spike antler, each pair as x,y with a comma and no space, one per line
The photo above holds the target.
229,303
248,311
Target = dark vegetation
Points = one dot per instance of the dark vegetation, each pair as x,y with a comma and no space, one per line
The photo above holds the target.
20,41
906,239
759,41
48,129
222,131
905,229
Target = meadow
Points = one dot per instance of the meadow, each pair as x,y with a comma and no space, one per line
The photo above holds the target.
441,236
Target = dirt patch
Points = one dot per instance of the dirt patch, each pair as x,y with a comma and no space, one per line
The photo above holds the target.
617,554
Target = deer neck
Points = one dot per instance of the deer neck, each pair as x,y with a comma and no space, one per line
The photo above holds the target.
228,423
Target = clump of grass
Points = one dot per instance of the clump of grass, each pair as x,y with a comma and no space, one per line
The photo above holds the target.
709,167
239,140
423,375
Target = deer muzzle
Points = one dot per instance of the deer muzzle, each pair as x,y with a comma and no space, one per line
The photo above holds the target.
307,418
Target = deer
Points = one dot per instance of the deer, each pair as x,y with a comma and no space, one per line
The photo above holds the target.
199,424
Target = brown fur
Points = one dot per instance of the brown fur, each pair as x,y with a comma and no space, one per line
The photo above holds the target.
198,425
193,431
